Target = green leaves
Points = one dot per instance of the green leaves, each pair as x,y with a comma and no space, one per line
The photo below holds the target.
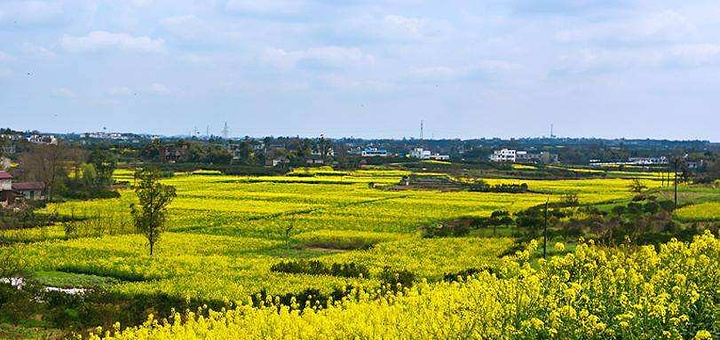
154,197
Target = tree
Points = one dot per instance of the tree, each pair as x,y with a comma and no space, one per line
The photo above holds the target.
499,217
154,197
570,200
637,187
104,162
46,164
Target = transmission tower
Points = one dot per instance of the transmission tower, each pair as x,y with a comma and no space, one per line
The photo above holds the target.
225,131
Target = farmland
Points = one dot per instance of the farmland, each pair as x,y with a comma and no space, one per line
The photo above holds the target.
226,234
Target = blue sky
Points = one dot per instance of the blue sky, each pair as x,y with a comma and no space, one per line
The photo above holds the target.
469,69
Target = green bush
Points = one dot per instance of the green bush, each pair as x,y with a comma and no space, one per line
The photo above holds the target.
314,267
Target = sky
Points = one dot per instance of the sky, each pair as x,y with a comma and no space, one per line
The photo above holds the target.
361,68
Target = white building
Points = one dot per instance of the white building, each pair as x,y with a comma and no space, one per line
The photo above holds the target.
42,139
427,154
648,160
373,152
504,155
517,156
5,181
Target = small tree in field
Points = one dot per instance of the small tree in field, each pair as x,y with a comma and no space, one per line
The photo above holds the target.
637,187
154,197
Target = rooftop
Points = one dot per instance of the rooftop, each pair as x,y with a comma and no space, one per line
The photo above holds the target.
28,186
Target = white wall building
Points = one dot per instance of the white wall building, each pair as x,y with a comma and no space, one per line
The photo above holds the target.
373,152
5,181
504,155
427,154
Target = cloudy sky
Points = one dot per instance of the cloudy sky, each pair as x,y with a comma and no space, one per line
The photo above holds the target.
479,68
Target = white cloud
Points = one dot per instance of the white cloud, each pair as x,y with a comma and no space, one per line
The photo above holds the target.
354,84
184,26
615,61
317,57
437,73
155,89
481,69
37,51
4,57
120,91
65,92
159,89
694,55
29,12
661,26
266,7
335,57
393,27
412,27
101,40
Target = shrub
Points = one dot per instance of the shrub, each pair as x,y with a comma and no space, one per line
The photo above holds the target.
314,267
397,279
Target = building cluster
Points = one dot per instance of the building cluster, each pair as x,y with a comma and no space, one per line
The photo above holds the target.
35,138
519,156
106,135
370,152
175,154
647,160
11,192
421,153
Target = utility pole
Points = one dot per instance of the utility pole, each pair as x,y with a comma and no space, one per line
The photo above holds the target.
545,229
675,172
422,127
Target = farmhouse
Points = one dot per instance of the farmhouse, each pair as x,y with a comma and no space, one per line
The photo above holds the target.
504,155
518,156
427,154
173,154
276,161
374,152
10,192
30,190
648,160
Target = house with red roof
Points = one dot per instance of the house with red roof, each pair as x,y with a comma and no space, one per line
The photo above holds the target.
10,192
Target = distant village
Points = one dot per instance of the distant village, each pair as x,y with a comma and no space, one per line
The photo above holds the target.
277,154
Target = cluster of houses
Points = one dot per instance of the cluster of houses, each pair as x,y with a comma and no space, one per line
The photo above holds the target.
374,152
35,138
519,156
649,161
421,153
418,153
11,193
109,136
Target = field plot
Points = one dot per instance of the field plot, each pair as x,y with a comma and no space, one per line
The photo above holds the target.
708,211
226,232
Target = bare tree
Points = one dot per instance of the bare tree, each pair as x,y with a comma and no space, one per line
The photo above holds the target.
46,164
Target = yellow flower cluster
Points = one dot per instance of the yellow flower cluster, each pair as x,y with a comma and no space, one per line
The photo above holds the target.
592,293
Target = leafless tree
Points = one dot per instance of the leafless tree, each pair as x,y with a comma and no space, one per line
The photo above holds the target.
46,164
